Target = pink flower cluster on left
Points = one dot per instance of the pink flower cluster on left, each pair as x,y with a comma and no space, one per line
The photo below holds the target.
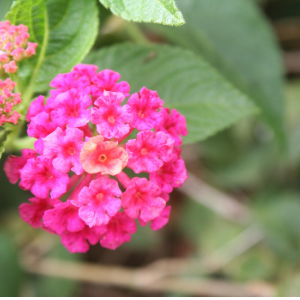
14,46
86,139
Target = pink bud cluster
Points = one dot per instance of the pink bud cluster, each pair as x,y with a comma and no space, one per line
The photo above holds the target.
14,45
7,101
82,153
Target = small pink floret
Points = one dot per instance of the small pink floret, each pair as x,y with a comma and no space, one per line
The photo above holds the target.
10,67
162,219
63,218
37,106
102,156
71,108
111,119
98,202
106,80
141,199
172,174
39,176
78,241
149,151
41,125
32,213
145,106
63,147
119,230
14,164
174,124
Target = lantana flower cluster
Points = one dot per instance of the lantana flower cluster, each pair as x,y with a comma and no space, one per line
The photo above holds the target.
87,142
14,45
7,101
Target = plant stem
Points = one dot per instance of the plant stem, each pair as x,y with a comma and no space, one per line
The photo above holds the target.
136,33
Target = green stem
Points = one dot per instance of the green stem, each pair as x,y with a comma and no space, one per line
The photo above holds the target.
136,33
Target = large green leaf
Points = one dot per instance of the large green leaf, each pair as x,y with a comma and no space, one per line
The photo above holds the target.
65,31
10,271
4,8
235,37
183,80
155,11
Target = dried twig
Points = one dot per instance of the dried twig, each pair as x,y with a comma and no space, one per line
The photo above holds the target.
220,203
136,278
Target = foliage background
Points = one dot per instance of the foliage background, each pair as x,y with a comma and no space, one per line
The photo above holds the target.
233,70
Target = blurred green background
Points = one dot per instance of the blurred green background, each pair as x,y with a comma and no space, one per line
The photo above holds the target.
244,161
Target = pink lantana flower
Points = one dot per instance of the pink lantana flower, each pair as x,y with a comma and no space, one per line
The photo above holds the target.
105,157
145,106
65,82
160,221
174,125
172,174
111,119
141,199
39,176
149,151
98,202
78,241
8,101
33,213
86,71
73,161
14,164
64,147
119,230
71,108
41,125
14,45
63,218
37,106
106,80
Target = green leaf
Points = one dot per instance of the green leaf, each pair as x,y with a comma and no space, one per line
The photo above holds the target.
183,80
3,138
155,11
4,8
236,39
278,215
65,31
10,271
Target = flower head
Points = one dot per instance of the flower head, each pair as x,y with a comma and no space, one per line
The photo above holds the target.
82,133
14,45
